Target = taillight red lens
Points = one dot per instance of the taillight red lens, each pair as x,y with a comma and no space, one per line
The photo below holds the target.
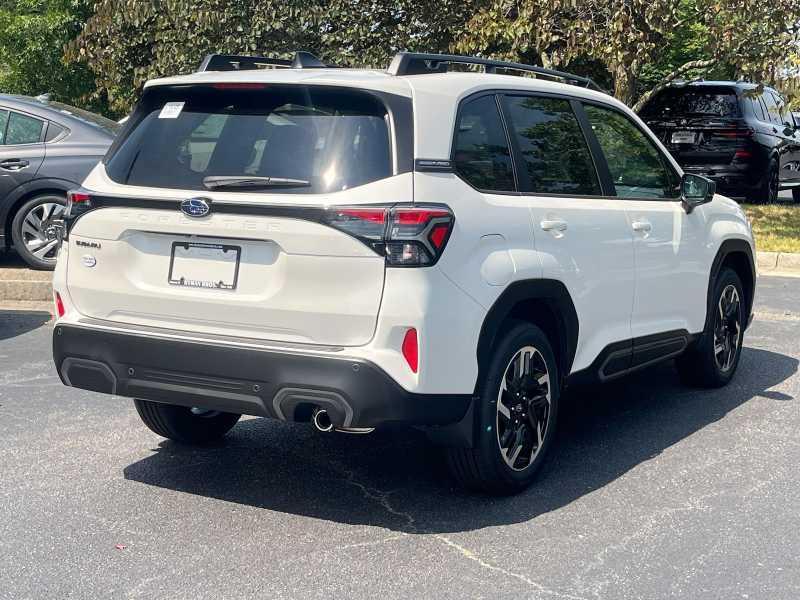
77,202
59,305
410,349
743,154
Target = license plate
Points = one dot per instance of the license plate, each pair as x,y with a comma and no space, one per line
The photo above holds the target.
209,266
683,137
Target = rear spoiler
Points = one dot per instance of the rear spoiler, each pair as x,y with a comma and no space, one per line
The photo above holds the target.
235,62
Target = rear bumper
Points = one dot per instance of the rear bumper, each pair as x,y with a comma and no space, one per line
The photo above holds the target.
282,385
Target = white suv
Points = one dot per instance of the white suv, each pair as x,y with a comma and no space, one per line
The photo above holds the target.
423,246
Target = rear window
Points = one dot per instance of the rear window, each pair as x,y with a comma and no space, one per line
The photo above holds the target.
313,139
689,102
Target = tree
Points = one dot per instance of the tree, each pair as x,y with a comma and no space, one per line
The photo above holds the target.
32,37
127,42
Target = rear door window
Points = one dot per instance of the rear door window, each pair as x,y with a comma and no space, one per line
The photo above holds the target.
637,168
784,118
772,108
306,139
23,129
481,152
553,150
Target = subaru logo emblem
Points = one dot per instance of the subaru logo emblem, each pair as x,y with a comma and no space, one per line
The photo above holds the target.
196,207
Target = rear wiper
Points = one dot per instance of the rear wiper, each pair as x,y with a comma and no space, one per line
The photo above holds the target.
217,182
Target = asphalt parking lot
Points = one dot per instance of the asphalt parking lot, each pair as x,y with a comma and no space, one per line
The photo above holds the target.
653,491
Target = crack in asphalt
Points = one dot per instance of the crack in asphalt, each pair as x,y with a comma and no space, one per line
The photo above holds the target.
382,498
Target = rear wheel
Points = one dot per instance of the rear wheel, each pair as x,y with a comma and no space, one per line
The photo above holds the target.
796,195
34,230
767,191
713,361
516,415
183,424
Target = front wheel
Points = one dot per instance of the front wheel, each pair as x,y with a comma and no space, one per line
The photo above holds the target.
183,424
516,415
715,357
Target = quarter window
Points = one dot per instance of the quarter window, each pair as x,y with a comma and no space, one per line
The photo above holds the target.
3,123
772,108
23,129
482,156
554,152
637,167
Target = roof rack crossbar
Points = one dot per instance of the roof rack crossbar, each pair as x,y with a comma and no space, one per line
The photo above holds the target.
417,63
235,62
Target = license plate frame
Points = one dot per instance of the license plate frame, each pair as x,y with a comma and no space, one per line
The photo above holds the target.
683,137
183,273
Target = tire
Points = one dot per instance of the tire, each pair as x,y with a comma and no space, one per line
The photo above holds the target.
183,424
488,466
768,188
32,230
713,361
796,195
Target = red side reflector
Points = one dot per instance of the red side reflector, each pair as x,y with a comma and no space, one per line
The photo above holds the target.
411,349
743,154
240,86
59,305
438,235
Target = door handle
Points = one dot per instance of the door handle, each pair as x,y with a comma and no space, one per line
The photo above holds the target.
14,164
644,226
553,225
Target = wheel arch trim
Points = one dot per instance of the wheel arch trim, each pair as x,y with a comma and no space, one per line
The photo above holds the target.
555,295
729,247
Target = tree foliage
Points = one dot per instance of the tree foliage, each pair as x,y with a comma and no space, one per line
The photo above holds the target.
32,38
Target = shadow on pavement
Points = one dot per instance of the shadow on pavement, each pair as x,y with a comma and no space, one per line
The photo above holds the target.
397,480
17,322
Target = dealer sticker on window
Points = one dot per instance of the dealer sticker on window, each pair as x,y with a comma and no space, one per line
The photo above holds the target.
171,110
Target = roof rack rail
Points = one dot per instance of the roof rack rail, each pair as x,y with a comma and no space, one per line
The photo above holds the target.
415,63
235,62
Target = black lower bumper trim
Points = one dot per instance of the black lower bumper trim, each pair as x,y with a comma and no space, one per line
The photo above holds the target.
355,392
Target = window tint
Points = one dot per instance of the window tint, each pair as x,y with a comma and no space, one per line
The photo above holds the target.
706,100
481,152
772,108
554,151
329,139
758,110
637,168
3,123
783,113
53,131
23,129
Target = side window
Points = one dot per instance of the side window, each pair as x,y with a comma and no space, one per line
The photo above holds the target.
783,114
772,108
758,110
638,169
481,155
23,129
554,151
53,131
3,123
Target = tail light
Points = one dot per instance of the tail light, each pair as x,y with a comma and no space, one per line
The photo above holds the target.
78,201
407,236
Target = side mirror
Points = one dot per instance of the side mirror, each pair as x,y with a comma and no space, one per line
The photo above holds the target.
696,190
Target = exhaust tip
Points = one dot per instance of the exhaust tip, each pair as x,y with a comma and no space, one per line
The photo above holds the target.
322,420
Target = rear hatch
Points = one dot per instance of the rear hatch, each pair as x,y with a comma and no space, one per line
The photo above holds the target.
700,125
215,214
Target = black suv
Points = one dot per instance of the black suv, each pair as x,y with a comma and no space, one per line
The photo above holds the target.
741,135
46,148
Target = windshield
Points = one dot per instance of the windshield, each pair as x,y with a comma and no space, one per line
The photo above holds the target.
87,117
230,135
705,101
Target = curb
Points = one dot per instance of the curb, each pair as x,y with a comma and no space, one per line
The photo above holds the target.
778,263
